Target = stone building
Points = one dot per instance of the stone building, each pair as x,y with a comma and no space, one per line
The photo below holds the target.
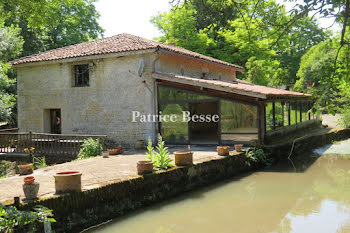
98,87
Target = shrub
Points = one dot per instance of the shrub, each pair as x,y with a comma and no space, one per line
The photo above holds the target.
345,118
11,217
90,148
39,162
256,155
160,159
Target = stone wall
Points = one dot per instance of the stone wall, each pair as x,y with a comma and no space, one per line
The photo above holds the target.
76,211
104,108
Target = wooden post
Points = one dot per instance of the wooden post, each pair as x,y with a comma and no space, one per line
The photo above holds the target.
261,122
296,113
30,139
309,109
282,103
273,116
301,111
288,113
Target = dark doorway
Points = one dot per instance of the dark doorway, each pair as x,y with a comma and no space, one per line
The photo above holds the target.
204,132
55,120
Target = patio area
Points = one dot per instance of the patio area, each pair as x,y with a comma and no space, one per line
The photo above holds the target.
96,172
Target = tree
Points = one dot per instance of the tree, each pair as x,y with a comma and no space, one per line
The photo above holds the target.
329,76
10,46
29,27
52,24
244,36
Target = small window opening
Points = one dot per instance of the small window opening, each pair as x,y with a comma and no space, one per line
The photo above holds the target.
81,75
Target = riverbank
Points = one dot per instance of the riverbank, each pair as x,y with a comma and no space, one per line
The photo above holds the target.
281,198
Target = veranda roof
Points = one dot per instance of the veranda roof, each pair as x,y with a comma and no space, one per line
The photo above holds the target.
236,87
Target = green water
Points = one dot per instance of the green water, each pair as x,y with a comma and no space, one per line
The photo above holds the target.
316,199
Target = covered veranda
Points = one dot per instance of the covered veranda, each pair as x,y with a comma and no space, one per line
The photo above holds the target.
247,113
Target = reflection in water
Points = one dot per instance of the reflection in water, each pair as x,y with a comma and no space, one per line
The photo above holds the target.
332,213
274,200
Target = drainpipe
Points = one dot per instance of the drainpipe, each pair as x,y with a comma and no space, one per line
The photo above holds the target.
155,97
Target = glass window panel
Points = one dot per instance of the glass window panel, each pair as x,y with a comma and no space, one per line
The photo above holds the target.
195,96
238,117
171,94
174,132
269,116
294,113
305,109
279,114
286,120
234,138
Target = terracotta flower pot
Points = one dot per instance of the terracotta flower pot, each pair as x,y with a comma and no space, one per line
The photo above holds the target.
25,169
29,180
144,167
183,158
118,150
69,181
113,151
238,147
31,191
223,150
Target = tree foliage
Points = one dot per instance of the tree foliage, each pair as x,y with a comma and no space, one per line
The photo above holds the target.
10,46
247,35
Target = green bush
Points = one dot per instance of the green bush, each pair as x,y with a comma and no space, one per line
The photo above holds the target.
90,148
39,162
11,218
345,118
256,155
160,159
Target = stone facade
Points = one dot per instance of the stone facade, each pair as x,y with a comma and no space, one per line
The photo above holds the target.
105,106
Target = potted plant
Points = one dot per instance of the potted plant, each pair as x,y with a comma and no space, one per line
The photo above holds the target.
69,181
30,188
223,150
238,147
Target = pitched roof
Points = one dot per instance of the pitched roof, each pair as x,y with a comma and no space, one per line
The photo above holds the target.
115,44
238,86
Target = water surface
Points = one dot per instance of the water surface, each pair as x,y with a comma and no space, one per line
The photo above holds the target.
316,198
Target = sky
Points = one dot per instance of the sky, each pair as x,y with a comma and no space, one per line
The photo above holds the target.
133,16
130,16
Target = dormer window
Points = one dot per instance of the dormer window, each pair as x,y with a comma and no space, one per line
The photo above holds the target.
81,75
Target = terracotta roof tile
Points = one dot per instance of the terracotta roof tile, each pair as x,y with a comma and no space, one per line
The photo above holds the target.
234,86
115,44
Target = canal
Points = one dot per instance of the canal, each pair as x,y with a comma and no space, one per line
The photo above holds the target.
306,196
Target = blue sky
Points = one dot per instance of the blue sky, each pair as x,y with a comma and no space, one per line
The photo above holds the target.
133,16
